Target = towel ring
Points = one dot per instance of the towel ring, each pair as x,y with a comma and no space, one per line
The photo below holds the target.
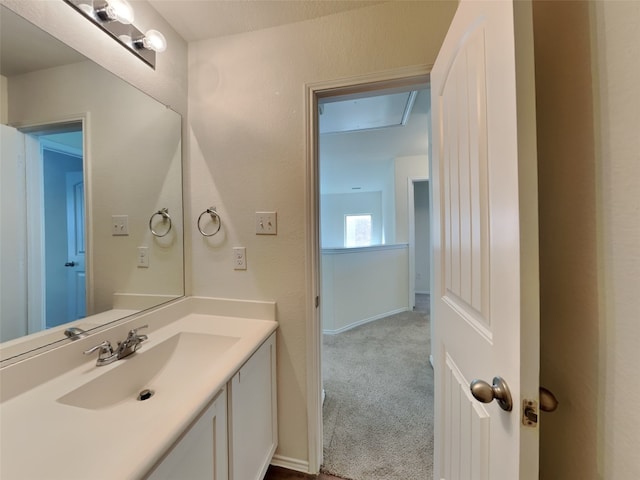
164,213
215,216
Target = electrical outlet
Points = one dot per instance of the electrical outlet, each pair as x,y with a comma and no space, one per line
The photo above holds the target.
239,258
119,224
266,223
143,257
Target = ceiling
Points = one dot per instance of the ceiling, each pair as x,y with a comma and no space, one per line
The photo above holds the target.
351,158
202,19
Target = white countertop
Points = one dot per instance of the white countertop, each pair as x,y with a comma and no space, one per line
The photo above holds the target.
41,438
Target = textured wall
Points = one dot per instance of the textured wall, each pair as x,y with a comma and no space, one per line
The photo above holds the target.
587,109
247,153
617,50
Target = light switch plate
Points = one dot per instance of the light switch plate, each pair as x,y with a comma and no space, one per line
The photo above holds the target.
119,224
266,223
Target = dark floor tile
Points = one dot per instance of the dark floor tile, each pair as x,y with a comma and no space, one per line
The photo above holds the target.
279,473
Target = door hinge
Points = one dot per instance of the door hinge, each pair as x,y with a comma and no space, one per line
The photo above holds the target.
529,413
317,301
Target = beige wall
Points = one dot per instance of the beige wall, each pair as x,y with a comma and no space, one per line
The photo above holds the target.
414,167
617,118
351,275
247,142
588,106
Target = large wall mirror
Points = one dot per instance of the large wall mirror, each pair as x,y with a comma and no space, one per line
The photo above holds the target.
91,216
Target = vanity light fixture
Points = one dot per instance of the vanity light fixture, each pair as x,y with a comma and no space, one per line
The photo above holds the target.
116,18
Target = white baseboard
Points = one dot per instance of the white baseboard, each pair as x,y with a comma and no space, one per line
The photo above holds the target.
290,463
363,321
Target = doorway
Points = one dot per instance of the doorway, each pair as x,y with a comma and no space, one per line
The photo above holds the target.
57,287
366,228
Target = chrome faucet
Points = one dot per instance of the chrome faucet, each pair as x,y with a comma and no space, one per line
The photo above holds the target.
106,353
131,343
75,333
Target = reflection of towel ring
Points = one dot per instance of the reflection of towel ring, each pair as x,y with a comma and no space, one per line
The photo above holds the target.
164,213
215,216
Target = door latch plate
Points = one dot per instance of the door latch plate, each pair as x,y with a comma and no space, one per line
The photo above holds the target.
529,413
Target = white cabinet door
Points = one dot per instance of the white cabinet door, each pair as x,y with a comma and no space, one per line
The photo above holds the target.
202,451
485,241
253,434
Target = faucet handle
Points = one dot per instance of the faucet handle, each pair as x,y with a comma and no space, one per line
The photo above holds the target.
106,354
134,331
104,347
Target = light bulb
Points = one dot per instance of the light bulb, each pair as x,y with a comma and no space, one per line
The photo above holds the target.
123,11
126,39
115,10
154,40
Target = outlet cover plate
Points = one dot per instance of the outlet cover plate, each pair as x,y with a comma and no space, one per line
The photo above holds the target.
239,258
143,257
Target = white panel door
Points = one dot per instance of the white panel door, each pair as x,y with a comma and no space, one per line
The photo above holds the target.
485,252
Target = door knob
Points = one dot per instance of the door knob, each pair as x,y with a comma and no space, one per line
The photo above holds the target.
485,393
548,401
70,264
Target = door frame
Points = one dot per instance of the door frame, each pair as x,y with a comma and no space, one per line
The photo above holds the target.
35,223
363,84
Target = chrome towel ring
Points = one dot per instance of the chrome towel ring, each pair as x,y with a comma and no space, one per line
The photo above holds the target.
164,213
214,216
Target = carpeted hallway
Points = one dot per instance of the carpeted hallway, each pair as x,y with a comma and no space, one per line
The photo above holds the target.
378,411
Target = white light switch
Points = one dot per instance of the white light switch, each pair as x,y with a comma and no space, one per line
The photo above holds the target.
119,224
266,223
143,257
239,258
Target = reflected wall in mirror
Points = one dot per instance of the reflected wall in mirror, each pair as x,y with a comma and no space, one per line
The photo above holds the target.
87,160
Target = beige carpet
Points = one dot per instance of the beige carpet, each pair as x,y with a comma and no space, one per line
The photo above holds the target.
378,410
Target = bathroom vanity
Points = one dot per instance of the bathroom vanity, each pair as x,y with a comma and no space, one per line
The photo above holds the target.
197,400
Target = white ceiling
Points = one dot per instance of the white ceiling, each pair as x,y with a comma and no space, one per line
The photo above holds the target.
365,113
354,159
202,19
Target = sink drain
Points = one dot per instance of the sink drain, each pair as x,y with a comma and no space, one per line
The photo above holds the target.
145,395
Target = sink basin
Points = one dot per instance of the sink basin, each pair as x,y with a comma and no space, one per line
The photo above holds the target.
169,366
